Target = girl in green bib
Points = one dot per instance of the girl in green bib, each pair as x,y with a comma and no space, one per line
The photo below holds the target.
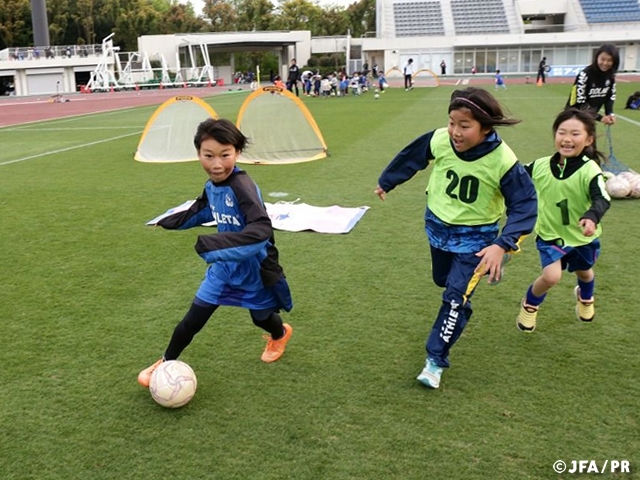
571,202
475,178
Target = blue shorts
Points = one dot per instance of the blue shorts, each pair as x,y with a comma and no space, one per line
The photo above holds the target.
573,258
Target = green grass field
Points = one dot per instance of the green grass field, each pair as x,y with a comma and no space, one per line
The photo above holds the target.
89,295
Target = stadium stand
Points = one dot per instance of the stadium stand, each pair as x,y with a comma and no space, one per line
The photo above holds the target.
472,17
611,11
418,18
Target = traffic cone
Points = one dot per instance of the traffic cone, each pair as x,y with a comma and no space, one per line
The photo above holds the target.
539,82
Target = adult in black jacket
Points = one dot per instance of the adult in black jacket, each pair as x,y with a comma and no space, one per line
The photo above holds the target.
595,85
542,68
294,77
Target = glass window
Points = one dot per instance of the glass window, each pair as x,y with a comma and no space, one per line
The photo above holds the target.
583,56
502,60
525,61
491,61
559,56
481,61
457,63
469,60
512,61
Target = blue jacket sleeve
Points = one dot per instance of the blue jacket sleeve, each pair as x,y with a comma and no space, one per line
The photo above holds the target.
196,215
411,159
522,207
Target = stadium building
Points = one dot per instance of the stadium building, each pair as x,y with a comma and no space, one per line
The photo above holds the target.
469,35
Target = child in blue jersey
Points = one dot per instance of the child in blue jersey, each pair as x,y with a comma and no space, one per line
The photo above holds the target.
500,81
382,81
571,202
475,176
243,268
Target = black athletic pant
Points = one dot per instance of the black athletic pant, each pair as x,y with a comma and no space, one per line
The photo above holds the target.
408,83
199,314
294,84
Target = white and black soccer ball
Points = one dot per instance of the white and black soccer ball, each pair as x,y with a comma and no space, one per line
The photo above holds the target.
376,96
173,384
634,183
618,187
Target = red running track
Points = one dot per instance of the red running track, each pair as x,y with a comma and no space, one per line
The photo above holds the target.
20,110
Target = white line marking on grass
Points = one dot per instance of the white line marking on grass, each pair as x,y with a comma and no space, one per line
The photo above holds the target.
64,129
97,142
628,120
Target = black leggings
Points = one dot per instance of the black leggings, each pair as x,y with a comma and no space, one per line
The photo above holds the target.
199,314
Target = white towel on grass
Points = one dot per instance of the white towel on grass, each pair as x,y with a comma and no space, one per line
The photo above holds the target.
296,217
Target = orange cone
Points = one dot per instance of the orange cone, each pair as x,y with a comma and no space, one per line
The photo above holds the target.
539,82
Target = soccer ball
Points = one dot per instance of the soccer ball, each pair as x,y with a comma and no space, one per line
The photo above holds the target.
376,96
173,384
634,182
618,187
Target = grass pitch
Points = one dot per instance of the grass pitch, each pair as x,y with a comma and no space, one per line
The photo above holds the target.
89,295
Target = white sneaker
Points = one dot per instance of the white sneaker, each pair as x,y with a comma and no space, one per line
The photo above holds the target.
430,375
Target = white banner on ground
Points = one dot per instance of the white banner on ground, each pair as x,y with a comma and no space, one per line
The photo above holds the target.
296,217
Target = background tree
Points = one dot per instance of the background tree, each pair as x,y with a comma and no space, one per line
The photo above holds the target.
58,14
254,15
180,18
83,19
15,23
333,21
298,15
130,23
89,21
222,15
362,17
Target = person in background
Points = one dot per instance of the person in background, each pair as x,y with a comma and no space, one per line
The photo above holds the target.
572,200
542,66
500,81
294,77
408,71
476,178
382,82
633,102
595,86
443,68
277,81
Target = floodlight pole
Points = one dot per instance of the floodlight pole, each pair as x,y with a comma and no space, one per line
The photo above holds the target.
40,23
348,52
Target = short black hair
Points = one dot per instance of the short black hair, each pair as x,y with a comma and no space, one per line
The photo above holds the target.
221,130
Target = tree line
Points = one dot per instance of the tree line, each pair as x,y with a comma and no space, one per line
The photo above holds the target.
79,22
